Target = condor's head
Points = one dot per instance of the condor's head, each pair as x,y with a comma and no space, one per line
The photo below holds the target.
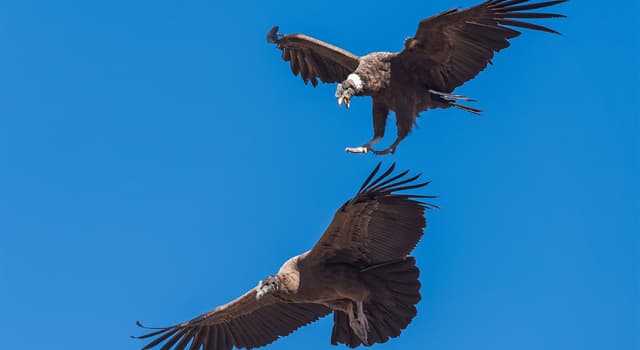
347,89
269,285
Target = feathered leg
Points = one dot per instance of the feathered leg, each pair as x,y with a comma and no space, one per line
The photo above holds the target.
404,121
380,114
358,322
363,321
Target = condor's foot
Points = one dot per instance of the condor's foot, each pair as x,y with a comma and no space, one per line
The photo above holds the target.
390,150
365,149
362,149
359,322
386,151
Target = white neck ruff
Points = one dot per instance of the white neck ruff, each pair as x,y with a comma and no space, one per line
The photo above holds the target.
357,82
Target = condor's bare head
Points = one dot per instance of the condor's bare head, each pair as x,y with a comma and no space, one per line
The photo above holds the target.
269,285
347,89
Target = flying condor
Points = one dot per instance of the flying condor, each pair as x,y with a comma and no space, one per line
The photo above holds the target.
447,50
359,270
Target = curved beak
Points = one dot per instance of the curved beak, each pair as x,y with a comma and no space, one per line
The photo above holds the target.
345,100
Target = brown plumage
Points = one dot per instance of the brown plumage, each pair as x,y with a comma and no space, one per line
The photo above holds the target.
359,270
447,50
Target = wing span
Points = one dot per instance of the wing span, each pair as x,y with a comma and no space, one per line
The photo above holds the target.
313,59
454,46
377,225
243,323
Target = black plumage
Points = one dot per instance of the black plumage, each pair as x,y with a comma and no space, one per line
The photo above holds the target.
359,269
447,50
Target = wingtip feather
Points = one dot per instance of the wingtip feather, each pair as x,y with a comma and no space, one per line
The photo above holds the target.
272,35
381,177
373,173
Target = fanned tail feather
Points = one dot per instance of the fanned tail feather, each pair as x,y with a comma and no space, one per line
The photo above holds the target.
452,101
466,108
391,306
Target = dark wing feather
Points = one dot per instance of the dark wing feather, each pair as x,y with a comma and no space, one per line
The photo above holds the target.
376,225
313,59
243,323
454,46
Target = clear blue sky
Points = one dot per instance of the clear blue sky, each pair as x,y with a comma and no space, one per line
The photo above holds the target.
158,158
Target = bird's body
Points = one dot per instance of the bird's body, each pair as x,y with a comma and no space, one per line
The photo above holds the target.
359,270
375,69
447,50
393,88
326,284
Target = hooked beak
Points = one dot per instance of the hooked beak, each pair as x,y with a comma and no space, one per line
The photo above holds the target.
346,101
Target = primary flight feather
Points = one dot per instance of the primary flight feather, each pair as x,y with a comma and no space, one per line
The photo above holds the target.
359,270
447,50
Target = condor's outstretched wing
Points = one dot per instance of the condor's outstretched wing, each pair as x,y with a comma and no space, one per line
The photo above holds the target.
377,225
314,59
454,46
243,323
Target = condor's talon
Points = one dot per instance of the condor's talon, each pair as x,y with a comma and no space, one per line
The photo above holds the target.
391,149
382,153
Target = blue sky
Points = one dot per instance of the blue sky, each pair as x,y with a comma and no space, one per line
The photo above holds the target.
158,158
